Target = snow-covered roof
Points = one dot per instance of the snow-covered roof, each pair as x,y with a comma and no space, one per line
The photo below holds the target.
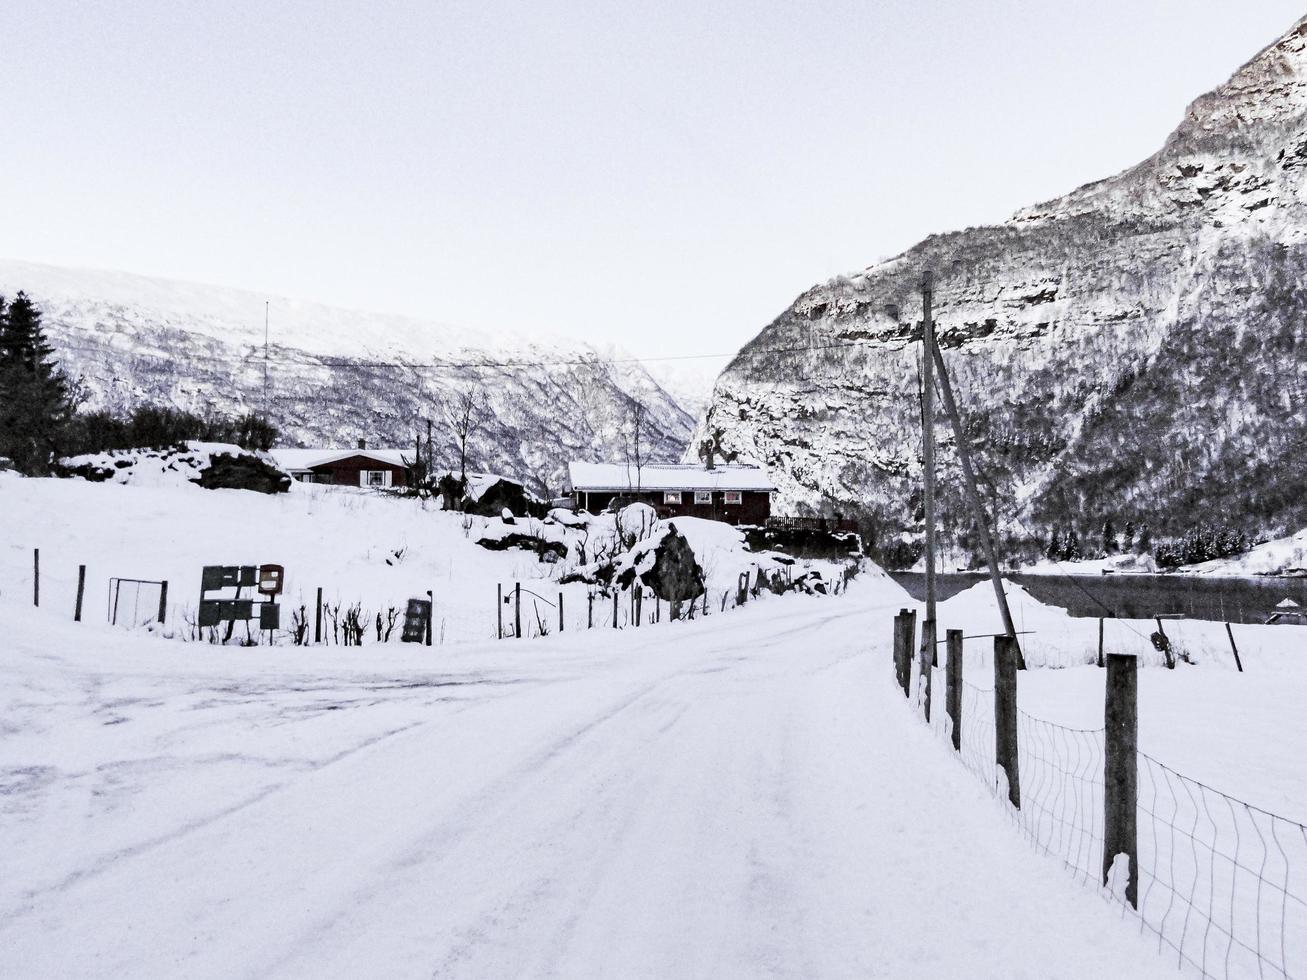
666,476
306,459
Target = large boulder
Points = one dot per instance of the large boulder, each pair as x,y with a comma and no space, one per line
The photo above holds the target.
242,471
675,575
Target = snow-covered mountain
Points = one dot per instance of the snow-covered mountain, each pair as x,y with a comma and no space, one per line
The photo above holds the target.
337,375
1136,349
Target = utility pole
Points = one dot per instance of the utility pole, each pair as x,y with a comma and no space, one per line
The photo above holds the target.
973,498
928,450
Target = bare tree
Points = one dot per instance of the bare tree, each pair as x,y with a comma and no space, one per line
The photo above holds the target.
464,415
633,440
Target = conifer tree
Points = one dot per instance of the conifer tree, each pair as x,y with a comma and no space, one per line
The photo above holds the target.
35,395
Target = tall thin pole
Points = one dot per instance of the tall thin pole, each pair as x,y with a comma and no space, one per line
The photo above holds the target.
973,497
928,443
265,358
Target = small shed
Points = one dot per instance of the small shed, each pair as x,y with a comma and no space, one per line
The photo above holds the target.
360,467
1287,613
734,494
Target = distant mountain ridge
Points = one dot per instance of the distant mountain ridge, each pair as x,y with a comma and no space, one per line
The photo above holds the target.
1134,350
335,375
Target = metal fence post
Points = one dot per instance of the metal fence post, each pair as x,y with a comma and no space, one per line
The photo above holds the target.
1121,770
163,601
560,612
317,619
1237,662
1005,715
81,591
36,576
953,685
499,609
517,610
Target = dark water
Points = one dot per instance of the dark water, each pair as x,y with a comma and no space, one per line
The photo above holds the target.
1224,599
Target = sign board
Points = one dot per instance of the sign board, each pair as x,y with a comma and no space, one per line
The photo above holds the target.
417,621
269,581
270,577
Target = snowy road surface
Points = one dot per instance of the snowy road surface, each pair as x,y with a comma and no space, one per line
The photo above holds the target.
739,797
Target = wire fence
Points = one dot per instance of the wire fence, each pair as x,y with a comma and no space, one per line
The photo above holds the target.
1222,884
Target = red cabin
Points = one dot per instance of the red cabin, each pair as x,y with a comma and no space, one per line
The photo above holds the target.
733,494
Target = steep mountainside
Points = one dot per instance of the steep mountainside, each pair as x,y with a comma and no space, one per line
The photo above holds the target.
336,375
1136,349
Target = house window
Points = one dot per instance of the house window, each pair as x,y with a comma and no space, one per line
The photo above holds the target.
375,478
703,496
672,497
734,497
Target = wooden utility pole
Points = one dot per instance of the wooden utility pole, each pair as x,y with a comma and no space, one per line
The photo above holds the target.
928,455
973,498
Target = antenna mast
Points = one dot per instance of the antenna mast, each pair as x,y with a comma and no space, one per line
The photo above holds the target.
265,358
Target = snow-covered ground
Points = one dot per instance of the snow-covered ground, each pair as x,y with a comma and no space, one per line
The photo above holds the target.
736,796
744,800
358,546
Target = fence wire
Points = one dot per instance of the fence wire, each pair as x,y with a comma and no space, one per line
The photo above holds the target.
1222,884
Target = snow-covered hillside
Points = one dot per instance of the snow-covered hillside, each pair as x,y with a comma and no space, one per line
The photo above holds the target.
1133,349
335,376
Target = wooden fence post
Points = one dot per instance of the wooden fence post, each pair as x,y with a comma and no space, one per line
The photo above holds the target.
1121,769
81,591
1163,643
163,601
36,576
639,602
905,630
590,611
560,612
927,661
317,619
953,685
499,609
1100,641
1237,662
614,607
517,610
431,613
1005,715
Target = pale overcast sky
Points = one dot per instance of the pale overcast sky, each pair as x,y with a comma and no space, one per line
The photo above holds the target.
666,176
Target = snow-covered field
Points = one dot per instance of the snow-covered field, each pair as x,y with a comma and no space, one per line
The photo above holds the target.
357,546
738,796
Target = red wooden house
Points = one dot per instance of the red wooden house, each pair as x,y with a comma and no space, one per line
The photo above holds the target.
361,467
734,494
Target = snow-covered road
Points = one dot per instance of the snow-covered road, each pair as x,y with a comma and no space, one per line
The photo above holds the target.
737,797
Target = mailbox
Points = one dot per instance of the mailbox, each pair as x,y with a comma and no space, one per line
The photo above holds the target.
270,579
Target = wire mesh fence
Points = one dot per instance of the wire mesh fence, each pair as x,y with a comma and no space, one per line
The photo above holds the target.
1222,884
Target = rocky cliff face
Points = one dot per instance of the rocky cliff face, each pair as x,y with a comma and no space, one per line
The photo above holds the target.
335,376
1136,349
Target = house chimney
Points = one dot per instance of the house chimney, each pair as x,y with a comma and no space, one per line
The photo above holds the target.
363,444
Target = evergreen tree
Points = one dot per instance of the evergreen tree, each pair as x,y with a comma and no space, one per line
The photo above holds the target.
1054,550
35,395
1109,537
1129,542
